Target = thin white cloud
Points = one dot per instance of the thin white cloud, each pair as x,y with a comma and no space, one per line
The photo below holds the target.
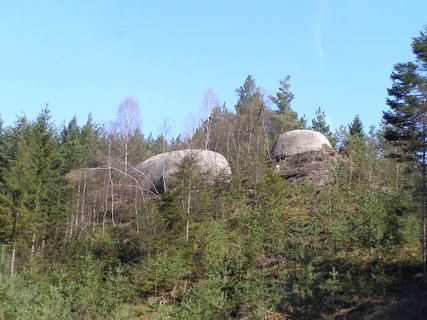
318,33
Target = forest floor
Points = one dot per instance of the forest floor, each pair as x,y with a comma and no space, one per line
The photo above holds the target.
407,300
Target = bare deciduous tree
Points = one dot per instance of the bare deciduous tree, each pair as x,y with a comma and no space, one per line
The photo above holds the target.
128,123
210,102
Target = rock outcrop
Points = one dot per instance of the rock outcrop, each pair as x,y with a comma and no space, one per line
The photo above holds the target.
299,141
304,155
156,172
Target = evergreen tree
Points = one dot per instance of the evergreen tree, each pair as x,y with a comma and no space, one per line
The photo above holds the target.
301,123
3,139
49,183
356,127
355,141
34,192
17,201
285,118
92,140
9,139
71,146
319,124
80,146
406,121
249,96
190,197
284,97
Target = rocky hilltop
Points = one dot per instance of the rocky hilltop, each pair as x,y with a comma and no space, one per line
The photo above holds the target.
303,154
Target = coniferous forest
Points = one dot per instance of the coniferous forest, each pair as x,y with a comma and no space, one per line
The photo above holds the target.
81,239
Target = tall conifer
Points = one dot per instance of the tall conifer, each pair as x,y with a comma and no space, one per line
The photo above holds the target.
406,121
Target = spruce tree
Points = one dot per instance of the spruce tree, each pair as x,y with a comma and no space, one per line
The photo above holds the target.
71,146
17,202
356,127
406,121
33,193
50,187
79,145
355,141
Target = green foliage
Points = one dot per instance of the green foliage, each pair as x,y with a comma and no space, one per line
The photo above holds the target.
405,121
24,299
79,143
33,199
284,96
284,119
356,127
204,301
319,124
244,249
332,285
159,274
250,98
82,291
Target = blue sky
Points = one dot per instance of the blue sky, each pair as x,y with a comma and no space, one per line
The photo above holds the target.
87,56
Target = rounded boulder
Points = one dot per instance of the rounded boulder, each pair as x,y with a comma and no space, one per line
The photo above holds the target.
299,141
156,172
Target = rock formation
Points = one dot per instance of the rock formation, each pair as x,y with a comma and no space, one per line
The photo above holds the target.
156,172
303,154
299,141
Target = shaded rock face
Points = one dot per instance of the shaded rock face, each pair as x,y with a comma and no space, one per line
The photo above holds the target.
299,141
156,172
310,165
304,155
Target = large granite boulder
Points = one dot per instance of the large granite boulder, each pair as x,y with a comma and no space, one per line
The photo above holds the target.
156,172
304,155
299,141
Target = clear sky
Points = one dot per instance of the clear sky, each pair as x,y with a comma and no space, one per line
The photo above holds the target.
87,56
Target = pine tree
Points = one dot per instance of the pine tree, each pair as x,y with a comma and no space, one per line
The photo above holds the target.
406,121
284,97
249,97
319,124
285,118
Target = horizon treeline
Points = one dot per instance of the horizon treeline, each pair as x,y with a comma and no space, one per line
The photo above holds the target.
81,239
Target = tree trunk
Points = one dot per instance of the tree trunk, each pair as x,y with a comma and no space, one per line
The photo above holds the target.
111,184
423,206
83,201
187,227
33,249
136,210
12,262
